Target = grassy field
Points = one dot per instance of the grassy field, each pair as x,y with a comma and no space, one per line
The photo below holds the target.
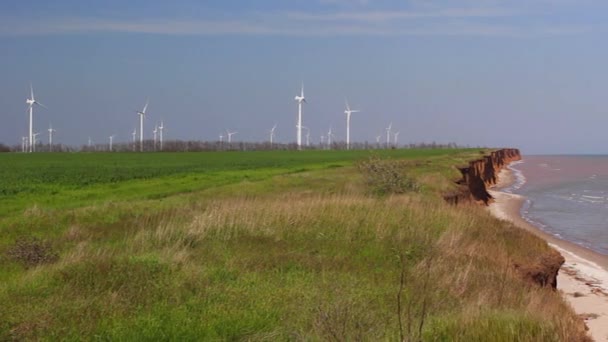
261,246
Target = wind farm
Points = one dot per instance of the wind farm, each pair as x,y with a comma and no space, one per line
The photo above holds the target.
138,142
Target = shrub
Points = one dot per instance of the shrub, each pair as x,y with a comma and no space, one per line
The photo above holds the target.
386,176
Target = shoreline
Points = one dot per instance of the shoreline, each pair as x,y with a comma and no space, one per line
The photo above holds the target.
582,280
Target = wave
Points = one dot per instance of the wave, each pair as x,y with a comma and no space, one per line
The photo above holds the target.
520,179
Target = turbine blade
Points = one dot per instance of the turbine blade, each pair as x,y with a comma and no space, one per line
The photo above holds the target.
41,105
31,92
145,107
347,106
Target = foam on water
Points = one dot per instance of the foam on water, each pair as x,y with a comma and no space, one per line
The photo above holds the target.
520,179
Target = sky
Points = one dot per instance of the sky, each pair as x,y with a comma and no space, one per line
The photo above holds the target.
520,73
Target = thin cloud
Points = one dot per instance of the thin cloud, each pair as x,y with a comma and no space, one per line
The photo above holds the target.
446,22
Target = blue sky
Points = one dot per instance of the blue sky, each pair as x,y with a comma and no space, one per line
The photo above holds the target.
528,74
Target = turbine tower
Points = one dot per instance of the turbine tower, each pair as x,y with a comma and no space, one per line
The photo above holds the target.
51,130
23,144
348,112
307,135
141,126
154,133
134,136
272,134
329,135
388,135
300,99
160,128
111,141
31,102
396,136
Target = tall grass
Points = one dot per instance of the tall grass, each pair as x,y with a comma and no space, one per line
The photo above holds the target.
307,256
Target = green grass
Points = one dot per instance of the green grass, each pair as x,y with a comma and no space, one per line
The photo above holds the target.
60,180
185,247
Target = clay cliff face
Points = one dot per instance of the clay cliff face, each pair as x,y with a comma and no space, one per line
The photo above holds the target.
481,174
477,177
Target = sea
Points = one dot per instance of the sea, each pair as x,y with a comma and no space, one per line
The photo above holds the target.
566,196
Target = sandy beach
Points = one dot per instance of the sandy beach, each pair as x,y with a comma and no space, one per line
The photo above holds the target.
583,279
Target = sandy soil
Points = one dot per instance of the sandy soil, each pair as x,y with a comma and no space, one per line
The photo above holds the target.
583,279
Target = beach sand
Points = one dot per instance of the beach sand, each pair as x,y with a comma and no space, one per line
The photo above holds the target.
583,279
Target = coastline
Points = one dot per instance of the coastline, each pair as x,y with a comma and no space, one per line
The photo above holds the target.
582,280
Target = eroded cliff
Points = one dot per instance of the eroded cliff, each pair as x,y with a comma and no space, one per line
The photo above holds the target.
477,177
481,174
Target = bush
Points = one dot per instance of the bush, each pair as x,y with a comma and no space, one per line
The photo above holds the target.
387,176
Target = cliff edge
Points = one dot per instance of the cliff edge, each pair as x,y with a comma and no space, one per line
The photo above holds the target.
481,174
477,177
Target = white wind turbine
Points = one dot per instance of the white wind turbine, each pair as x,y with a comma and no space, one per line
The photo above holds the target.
111,137
51,130
307,136
23,144
31,102
329,135
141,126
388,135
230,134
90,142
348,112
396,138
154,133
300,99
160,128
34,135
134,137
272,134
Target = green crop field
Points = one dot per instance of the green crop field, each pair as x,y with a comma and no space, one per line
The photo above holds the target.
57,180
311,245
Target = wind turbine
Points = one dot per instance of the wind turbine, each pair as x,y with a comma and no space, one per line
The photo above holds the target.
329,135
348,112
272,134
300,99
23,144
396,136
51,130
307,135
134,136
90,142
34,135
160,128
111,141
154,132
388,135
141,126
230,134
31,102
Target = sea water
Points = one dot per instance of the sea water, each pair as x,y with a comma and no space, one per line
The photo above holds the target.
566,196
